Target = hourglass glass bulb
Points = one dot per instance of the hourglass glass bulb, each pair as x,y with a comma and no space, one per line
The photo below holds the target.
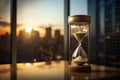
79,25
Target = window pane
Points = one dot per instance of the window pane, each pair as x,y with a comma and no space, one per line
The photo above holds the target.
4,39
78,7
40,39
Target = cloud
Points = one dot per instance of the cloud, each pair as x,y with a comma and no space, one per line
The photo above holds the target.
4,23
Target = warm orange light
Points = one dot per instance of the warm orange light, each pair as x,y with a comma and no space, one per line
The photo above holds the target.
28,29
28,64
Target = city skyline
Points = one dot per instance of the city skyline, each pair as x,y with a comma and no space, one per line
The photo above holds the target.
38,14
30,46
29,30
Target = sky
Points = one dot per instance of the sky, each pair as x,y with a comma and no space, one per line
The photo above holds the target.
39,13
78,7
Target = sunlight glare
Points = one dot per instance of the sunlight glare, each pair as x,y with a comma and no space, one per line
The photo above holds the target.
28,29
28,64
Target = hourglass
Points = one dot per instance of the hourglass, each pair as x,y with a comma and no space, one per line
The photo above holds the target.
79,25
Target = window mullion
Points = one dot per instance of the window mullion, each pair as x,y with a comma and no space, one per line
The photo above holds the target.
13,25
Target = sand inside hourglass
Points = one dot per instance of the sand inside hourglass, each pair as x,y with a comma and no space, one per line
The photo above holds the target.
79,35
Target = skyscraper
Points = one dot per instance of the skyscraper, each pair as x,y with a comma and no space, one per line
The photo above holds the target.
117,12
57,36
57,33
94,12
48,33
105,24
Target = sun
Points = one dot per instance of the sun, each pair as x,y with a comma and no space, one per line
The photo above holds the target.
28,29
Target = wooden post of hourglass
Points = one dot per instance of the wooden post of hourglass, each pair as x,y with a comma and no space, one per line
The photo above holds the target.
80,27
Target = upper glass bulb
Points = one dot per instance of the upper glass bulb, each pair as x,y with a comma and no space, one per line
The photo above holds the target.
79,25
79,31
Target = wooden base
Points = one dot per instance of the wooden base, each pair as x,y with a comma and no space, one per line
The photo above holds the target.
80,69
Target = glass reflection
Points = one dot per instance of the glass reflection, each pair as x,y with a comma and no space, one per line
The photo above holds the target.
35,71
39,71
98,73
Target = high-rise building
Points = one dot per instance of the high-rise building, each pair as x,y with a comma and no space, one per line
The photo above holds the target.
5,42
113,50
48,33
94,12
57,36
23,36
105,21
35,34
57,33
117,12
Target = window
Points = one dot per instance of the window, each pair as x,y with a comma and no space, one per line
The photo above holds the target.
5,39
40,30
39,38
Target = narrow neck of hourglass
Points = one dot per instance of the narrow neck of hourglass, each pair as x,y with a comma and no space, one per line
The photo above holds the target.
79,42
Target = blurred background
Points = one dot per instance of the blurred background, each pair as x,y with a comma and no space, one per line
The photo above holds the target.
40,36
